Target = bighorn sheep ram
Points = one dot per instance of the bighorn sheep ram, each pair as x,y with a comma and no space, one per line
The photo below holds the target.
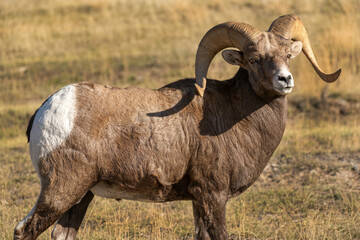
205,143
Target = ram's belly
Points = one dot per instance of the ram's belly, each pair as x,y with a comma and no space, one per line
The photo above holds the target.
147,192
106,190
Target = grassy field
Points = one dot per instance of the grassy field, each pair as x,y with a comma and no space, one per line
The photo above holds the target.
310,188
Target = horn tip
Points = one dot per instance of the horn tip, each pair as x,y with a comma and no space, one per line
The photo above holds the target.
333,77
199,89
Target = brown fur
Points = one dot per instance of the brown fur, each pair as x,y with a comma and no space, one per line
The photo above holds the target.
164,145
167,144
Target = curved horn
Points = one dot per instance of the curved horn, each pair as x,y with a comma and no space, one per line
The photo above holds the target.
224,35
291,27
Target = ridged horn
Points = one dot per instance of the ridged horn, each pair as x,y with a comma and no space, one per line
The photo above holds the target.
224,35
291,27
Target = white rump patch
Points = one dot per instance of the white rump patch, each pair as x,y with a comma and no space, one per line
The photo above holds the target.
53,123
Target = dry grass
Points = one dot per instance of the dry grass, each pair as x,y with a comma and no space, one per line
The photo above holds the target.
148,43
310,189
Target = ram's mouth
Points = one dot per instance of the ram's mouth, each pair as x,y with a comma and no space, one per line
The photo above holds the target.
284,90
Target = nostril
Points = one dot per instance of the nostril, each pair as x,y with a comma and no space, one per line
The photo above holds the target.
282,78
285,78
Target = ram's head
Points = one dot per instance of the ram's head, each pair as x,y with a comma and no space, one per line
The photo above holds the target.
265,55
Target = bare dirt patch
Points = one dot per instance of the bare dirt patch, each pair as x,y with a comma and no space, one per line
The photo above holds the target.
342,169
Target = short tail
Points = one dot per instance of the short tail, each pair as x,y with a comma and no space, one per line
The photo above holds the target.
31,121
30,124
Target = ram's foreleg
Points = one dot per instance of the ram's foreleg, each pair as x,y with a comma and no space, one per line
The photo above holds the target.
209,213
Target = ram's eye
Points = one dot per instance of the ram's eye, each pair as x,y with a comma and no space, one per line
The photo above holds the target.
252,61
288,56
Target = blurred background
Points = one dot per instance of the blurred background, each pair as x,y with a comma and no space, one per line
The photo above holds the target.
309,190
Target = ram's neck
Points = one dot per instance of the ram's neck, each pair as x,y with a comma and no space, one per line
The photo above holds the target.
233,105
265,119
247,128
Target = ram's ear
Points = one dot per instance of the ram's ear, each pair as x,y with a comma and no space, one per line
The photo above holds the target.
234,57
295,48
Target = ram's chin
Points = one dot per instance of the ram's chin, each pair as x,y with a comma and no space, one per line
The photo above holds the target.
283,91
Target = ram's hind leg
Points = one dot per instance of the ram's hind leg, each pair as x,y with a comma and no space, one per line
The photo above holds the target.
50,205
69,223
61,188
